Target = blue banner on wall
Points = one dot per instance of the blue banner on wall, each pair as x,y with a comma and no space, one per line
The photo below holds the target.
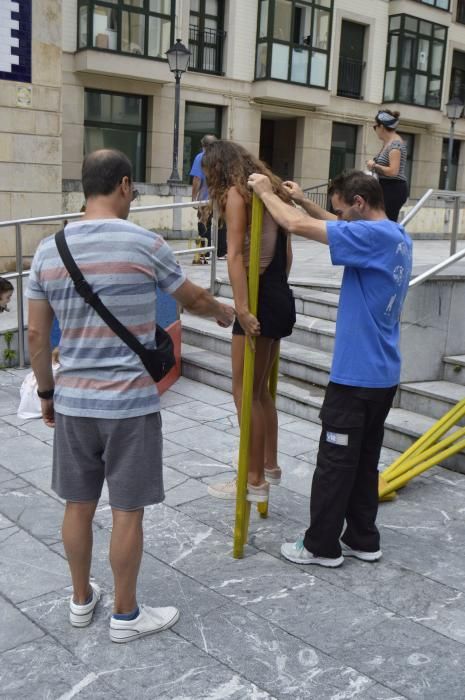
15,40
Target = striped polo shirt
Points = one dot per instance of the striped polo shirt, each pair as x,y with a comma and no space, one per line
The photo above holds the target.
99,376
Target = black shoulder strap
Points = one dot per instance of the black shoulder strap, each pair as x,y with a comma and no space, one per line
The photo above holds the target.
84,289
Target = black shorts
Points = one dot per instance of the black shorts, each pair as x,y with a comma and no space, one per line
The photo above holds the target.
276,308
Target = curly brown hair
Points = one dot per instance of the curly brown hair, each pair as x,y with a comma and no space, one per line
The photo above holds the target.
227,164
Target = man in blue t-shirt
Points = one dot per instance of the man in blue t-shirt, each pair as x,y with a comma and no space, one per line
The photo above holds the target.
377,258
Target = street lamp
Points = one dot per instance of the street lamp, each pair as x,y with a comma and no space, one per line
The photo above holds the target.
454,109
178,58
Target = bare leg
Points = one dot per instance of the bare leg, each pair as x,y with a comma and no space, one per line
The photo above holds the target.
271,415
77,539
125,557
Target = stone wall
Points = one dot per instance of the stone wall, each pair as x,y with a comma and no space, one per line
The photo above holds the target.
30,129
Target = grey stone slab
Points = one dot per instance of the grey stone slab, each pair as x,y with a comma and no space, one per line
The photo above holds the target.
228,424
303,428
12,419
171,448
38,429
15,629
442,564
202,411
195,465
276,661
5,523
162,666
44,669
5,474
294,445
184,543
297,474
189,490
208,394
33,510
408,658
25,453
171,398
213,443
27,567
173,423
301,603
172,478
7,401
8,431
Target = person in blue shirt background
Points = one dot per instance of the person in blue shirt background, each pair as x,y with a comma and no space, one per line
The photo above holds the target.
200,193
377,258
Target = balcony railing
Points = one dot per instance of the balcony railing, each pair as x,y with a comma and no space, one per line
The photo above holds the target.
206,50
349,83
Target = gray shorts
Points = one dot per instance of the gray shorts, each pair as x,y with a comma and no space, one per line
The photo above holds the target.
127,452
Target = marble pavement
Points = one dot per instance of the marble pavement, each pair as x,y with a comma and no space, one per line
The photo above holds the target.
257,628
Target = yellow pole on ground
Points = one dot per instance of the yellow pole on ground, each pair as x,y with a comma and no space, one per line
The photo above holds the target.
426,452
440,428
401,481
241,526
273,388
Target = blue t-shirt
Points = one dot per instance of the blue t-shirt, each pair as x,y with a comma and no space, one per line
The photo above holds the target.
196,171
377,256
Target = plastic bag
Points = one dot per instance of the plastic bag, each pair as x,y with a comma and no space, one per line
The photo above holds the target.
29,402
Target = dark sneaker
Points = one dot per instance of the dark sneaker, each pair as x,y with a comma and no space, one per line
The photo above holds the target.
148,621
360,554
296,552
81,615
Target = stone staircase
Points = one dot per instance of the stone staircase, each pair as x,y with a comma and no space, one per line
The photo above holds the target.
305,364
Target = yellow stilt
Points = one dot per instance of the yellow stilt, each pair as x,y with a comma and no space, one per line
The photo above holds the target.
242,506
440,428
401,481
428,451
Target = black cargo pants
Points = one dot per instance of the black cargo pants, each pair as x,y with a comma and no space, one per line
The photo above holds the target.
345,482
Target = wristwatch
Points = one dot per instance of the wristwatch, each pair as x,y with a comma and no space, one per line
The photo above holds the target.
48,394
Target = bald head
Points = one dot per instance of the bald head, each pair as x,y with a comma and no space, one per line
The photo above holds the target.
207,140
103,171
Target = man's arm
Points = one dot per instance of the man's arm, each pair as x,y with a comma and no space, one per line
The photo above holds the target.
310,207
200,302
286,216
40,319
196,182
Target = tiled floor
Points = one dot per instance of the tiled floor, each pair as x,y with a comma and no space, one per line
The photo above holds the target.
253,628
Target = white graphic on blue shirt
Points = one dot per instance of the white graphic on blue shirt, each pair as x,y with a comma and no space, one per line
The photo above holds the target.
398,274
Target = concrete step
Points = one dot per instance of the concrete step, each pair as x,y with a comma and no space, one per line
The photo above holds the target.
310,364
308,302
432,399
304,400
308,331
454,369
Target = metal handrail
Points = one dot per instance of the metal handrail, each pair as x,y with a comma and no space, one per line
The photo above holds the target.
20,273
457,197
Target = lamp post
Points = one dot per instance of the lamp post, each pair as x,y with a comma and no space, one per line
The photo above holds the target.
178,58
454,109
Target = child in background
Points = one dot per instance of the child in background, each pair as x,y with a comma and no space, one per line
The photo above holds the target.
6,292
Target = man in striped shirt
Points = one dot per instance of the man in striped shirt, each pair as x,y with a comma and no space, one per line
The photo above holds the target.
105,407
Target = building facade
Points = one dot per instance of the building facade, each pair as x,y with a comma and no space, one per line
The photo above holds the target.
297,82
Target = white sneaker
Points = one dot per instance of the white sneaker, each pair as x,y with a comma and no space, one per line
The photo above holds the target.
360,554
81,615
296,552
227,490
148,621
